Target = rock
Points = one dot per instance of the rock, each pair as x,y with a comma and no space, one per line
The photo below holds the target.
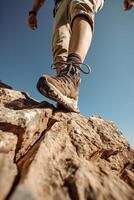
3,85
8,169
61,155
24,117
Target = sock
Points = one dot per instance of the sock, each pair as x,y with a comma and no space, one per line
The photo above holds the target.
74,57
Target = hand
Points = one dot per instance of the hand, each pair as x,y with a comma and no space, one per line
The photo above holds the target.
32,22
128,4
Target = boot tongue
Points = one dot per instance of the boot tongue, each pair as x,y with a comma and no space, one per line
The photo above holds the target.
74,60
71,66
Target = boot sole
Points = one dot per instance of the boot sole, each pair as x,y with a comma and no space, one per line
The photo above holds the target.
50,91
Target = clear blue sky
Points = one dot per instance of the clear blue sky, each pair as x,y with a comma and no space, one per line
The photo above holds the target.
108,91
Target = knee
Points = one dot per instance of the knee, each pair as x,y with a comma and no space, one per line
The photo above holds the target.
82,10
82,17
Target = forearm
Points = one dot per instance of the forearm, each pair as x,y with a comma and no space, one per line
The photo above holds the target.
37,5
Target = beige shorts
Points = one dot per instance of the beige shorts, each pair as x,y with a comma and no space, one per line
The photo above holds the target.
67,11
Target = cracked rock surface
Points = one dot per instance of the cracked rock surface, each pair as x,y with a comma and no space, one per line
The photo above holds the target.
50,154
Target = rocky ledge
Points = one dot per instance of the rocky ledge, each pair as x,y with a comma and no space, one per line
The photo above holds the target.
50,154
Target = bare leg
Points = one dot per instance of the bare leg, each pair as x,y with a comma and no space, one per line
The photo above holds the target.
81,37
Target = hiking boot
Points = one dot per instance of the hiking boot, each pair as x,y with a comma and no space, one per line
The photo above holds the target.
64,88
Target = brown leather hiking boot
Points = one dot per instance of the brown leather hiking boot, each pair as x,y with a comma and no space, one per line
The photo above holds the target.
64,88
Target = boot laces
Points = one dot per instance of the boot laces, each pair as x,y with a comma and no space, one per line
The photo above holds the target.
74,66
70,70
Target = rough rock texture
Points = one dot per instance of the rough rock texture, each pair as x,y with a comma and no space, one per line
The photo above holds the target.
50,154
